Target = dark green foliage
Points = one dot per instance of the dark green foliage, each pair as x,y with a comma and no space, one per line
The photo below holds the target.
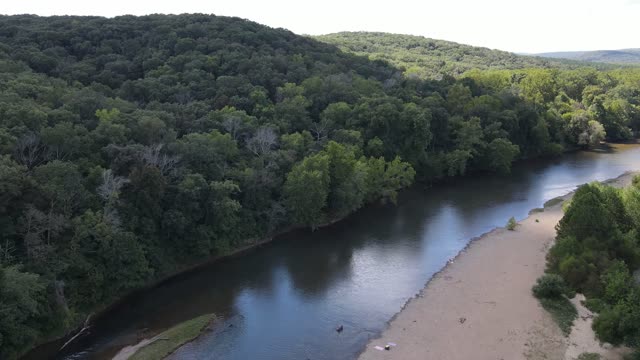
512,223
307,189
597,245
549,286
595,305
134,146
595,231
22,304
588,215
502,153
607,326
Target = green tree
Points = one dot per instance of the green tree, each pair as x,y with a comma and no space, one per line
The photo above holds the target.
385,179
587,216
348,179
501,153
208,154
62,185
105,261
12,181
21,297
306,190
458,97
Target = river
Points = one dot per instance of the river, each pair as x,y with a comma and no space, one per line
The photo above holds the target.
285,299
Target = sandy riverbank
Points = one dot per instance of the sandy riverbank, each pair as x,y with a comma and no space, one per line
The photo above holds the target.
480,305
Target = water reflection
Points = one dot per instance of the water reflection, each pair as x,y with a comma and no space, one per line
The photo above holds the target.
284,300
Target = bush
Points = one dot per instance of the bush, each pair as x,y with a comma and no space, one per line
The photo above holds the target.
595,305
511,224
549,286
575,270
607,326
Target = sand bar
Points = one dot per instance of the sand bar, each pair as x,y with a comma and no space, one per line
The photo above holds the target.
480,305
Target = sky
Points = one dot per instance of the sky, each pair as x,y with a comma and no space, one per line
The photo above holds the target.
524,26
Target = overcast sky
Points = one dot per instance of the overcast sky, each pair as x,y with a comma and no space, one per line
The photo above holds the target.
520,26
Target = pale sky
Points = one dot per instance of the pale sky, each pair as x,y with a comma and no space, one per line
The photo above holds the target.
520,26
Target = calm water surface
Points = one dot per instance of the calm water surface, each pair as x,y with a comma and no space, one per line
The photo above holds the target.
284,300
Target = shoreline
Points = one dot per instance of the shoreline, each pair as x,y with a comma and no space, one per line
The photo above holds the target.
507,325
250,246
62,341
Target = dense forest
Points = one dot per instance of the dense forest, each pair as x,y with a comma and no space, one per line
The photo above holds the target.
430,58
597,249
132,147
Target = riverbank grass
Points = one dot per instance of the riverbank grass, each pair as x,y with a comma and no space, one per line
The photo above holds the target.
170,340
552,292
552,202
589,356
562,311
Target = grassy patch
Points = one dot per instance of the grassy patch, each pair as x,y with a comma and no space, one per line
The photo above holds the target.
589,356
562,311
554,201
170,340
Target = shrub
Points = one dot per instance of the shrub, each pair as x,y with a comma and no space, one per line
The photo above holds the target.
618,282
607,326
511,224
549,286
575,270
595,305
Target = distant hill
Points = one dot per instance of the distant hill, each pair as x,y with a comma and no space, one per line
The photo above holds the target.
429,58
624,56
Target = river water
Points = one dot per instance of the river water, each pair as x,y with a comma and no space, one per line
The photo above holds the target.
285,300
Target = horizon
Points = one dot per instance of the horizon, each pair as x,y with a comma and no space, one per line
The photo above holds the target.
494,24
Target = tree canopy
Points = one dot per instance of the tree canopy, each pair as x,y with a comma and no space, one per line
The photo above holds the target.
133,146
596,252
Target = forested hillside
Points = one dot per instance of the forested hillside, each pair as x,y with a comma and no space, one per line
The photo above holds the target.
430,58
624,56
134,146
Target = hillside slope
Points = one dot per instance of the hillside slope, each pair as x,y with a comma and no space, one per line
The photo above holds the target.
430,58
623,56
